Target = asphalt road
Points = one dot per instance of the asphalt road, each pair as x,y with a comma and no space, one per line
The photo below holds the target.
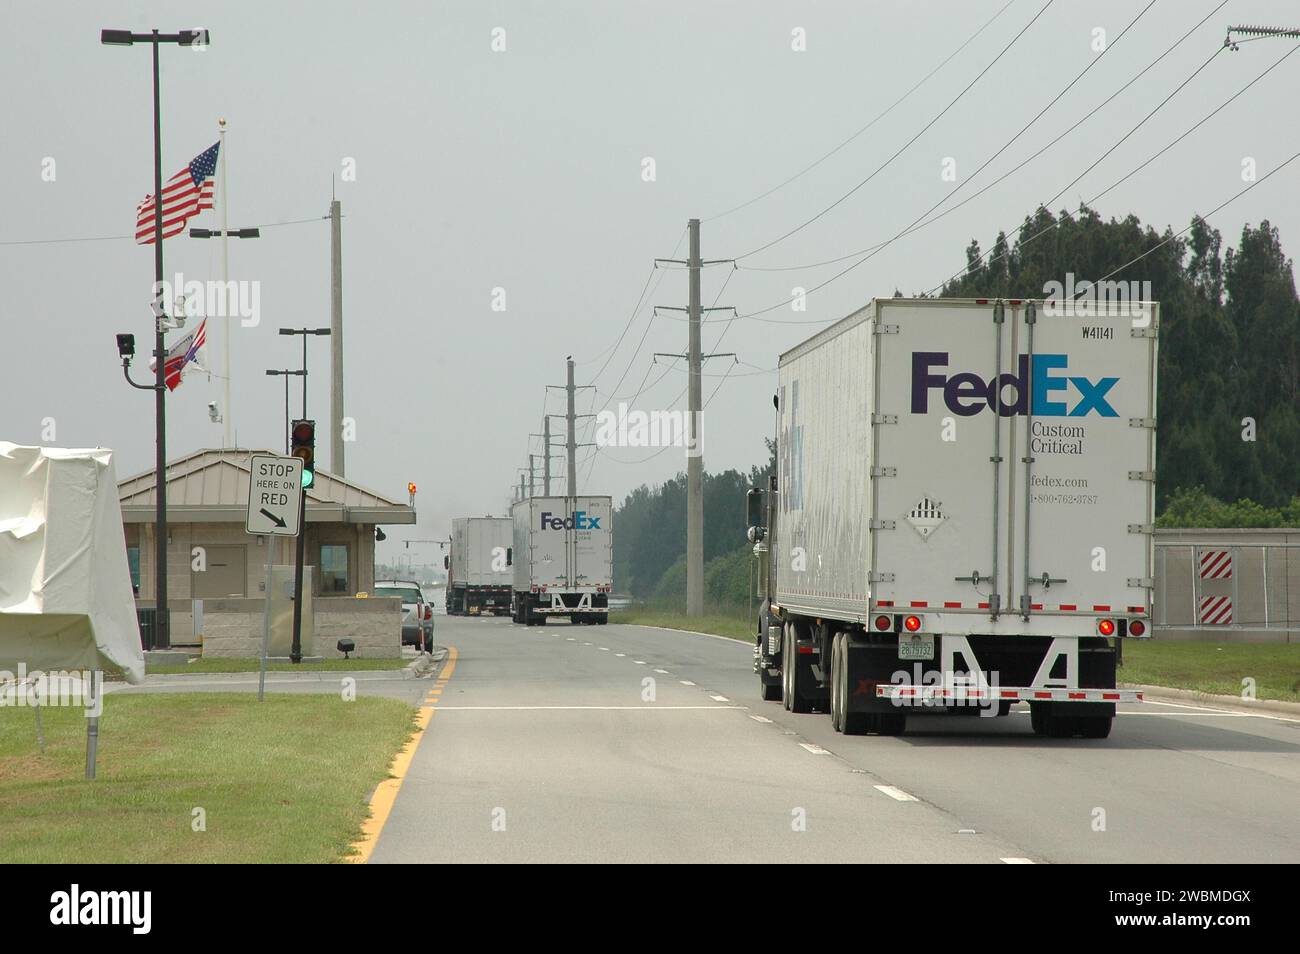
549,744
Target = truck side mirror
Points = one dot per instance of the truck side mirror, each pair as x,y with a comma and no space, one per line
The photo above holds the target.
754,506
510,553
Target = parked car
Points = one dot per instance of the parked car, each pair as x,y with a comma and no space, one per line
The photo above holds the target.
417,612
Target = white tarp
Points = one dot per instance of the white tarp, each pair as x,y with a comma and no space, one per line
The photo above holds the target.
65,588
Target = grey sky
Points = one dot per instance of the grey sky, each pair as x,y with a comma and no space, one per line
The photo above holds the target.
523,169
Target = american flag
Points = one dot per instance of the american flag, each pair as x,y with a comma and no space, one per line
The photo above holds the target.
182,353
185,195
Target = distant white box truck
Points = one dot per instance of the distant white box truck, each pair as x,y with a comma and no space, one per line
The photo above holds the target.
962,514
563,559
478,567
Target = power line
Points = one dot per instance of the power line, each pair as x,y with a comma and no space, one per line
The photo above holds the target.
806,169
1146,162
905,145
800,321
1010,172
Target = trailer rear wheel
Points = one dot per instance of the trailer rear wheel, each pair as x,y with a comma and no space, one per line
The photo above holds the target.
887,723
1095,727
837,705
843,720
792,696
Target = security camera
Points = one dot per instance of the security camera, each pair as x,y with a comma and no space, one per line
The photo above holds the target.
214,412
126,346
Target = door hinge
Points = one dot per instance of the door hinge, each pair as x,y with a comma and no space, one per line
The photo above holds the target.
886,329
882,525
1149,332
1141,475
1145,582
884,471
879,418
1141,528
880,578
999,312
1141,422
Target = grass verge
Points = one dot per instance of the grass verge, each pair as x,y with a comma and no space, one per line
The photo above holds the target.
1217,668
250,664
284,781
731,625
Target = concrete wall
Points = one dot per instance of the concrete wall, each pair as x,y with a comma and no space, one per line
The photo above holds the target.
233,627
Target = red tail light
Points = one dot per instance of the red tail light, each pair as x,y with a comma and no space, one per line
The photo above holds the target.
428,612
1106,627
912,624
884,623
1136,627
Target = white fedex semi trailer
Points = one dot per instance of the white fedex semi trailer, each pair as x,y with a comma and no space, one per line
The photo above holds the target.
563,559
962,514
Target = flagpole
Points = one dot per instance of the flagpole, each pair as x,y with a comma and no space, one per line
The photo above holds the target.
227,411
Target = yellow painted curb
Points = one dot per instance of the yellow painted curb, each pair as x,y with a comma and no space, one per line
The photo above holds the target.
381,802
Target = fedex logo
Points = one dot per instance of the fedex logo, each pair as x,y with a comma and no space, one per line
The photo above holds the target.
1039,382
580,520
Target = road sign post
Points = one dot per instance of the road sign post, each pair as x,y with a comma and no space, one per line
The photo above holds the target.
275,508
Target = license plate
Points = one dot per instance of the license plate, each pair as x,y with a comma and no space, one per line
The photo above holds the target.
915,647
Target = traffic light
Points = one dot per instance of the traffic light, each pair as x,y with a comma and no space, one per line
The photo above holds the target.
302,444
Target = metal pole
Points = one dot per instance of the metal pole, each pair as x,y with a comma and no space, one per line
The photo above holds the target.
295,652
162,629
336,336
532,480
570,444
286,415
694,462
92,721
546,458
227,416
266,604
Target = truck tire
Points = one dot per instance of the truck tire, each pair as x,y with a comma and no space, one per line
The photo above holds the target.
836,687
888,723
792,696
1095,727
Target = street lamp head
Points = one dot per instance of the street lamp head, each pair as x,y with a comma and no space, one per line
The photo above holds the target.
200,233
116,37
126,346
192,38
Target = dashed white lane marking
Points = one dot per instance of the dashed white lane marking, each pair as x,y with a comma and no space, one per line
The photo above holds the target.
570,639
604,649
719,698
664,672
1015,861
620,655
815,749
686,682
576,708
761,719
639,662
897,794
586,644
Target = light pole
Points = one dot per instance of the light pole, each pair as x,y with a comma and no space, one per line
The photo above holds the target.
162,624
295,653
286,374
223,234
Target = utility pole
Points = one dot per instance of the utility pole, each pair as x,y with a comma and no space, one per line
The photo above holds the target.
571,418
532,478
336,338
546,457
694,453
